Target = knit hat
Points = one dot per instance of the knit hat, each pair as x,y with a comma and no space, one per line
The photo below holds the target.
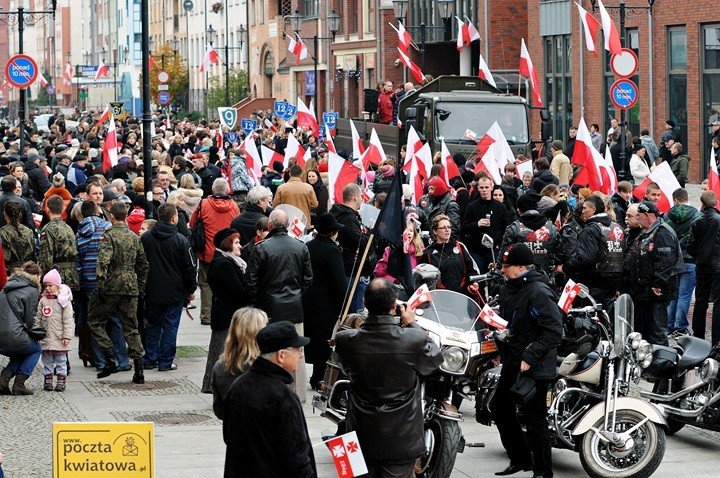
58,180
517,255
439,186
526,203
52,277
221,235
558,145
667,136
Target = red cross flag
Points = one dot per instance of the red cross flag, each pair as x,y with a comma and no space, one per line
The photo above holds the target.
297,227
570,291
347,455
491,318
419,297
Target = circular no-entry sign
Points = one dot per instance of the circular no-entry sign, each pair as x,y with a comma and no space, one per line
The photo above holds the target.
624,64
624,94
21,70
163,76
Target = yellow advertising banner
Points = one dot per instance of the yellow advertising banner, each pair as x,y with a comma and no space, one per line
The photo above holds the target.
103,450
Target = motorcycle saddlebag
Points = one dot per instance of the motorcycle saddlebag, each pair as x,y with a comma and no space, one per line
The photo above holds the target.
664,362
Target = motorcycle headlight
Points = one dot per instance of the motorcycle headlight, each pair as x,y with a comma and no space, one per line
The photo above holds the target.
454,359
709,370
634,340
644,350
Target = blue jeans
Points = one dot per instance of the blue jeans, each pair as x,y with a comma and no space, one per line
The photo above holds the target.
161,325
357,300
678,309
24,362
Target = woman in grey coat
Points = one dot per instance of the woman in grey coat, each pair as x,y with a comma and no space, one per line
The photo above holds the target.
18,305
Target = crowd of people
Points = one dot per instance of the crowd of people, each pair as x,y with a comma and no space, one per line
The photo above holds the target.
89,254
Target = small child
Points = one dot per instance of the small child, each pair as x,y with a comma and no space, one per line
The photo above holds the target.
55,313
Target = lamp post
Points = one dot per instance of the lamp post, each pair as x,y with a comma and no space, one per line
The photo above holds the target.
622,9
445,8
333,23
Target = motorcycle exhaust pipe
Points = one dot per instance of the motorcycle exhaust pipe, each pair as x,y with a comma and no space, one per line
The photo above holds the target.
671,398
688,413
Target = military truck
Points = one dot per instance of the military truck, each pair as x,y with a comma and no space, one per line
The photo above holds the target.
444,109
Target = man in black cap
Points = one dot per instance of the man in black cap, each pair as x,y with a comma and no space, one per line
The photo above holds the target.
653,274
264,427
530,349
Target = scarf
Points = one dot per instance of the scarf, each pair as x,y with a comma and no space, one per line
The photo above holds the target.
237,259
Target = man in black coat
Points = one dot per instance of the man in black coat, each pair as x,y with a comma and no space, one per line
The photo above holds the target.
170,286
530,349
704,247
257,205
383,360
484,215
8,185
264,427
37,177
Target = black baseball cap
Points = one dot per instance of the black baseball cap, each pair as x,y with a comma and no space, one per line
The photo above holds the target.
279,335
517,255
648,207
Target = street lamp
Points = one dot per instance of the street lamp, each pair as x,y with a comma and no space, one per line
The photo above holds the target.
445,7
446,11
295,21
209,34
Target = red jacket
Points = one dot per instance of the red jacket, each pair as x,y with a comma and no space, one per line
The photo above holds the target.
216,213
385,108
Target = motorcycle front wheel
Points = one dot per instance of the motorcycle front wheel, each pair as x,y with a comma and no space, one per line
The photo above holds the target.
444,436
601,460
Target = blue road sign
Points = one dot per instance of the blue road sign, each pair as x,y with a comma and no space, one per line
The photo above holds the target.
231,137
624,94
330,118
291,110
21,71
163,98
280,108
248,125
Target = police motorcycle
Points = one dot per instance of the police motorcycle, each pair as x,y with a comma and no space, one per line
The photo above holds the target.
468,349
589,408
685,383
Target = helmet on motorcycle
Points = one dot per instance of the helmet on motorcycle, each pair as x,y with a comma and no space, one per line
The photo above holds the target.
426,274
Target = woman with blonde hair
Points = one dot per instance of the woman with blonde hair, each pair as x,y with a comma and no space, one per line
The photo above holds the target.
240,351
193,194
177,199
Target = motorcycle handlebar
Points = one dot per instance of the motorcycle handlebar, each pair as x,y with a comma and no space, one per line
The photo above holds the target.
484,277
582,310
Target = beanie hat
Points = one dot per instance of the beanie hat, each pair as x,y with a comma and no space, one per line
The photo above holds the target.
53,277
221,235
526,203
558,145
517,255
439,185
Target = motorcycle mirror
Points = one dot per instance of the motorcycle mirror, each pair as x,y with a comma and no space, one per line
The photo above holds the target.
487,241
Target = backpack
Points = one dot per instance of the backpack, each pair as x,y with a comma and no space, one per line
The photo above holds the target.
197,233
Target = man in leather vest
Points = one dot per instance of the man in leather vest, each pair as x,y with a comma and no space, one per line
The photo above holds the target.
597,260
383,359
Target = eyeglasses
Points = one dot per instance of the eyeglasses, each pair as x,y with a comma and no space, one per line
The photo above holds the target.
297,349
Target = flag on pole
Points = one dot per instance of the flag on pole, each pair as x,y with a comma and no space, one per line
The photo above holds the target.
297,48
463,36
340,174
484,72
212,57
104,116
41,79
494,153
404,38
270,125
528,71
269,156
110,156
294,150
419,297
663,177
67,76
449,168
357,144
588,157
608,174
590,27
490,317
102,72
306,117
374,153
328,140
570,291
413,144
474,33
610,31
714,175
253,162
414,69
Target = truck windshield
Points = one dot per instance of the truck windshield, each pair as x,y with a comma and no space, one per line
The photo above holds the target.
454,118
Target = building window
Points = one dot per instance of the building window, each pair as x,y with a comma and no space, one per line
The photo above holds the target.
558,83
677,80
311,8
284,8
710,88
632,41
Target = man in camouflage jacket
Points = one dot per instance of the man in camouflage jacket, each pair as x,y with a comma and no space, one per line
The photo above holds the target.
57,245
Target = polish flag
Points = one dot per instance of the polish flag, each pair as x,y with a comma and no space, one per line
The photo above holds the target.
590,26
151,62
415,180
269,156
294,150
610,31
420,171
270,125
570,291
449,168
105,116
358,146
608,174
663,177
414,69
522,167
528,71
102,72
329,141
374,153
253,161
404,38
211,58
484,72
491,318
474,33
588,157
495,153
413,144
298,48
419,297
306,117
713,175
463,37
340,174
110,156
42,80
67,77
347,455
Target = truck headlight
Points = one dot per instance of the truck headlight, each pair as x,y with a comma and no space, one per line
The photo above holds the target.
454,359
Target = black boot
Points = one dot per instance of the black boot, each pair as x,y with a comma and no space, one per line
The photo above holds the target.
110,365
139,375
5,378
19,387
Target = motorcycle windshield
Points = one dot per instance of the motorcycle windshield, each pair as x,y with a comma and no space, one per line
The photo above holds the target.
624,320
450,309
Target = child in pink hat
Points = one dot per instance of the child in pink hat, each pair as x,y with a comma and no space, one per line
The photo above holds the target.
55,313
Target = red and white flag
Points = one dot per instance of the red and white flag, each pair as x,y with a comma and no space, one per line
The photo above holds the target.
329,141
269,156
151,62
306,117
588,157
470,134
663,176
270,125
297,48
414,69
413,144
610,31
358,146
419,297
295,151
590,27
404,38
110,156
528,71
491,318
253,162
347,455
570,291
714,175
104,116
68,75
474,33
374,153
420,171
212,57
340,174
463,36
494,153
297,227
449,168
41,79
102,72
484,72
608,174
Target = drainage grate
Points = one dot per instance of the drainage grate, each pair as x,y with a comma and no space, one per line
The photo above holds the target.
159,385
174,418
117,388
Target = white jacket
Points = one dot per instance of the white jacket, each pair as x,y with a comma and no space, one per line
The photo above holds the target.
58,320
638,168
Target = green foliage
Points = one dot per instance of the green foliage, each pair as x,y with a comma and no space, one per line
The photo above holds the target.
215,96
179,84
189,115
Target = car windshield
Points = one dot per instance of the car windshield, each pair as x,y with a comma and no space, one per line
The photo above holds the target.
450,309
454,118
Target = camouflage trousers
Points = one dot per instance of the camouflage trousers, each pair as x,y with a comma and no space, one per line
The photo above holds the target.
101,307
